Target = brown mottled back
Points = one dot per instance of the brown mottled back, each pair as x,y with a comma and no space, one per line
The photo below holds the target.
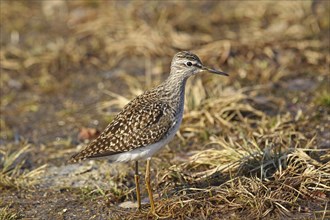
144,121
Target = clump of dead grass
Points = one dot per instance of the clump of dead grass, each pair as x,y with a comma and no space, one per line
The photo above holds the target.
12,172
6,214
286,193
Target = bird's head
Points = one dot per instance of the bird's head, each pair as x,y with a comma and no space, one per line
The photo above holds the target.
187,64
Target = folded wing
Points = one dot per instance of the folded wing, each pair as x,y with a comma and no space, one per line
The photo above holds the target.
139,124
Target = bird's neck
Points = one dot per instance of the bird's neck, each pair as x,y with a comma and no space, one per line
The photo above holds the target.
174,90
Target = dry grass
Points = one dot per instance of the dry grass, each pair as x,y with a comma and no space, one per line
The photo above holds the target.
13,174
253,145
5,214
279,194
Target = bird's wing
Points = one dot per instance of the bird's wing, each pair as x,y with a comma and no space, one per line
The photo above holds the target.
139,124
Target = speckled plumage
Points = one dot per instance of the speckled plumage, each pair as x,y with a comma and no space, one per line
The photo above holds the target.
144,121
148,121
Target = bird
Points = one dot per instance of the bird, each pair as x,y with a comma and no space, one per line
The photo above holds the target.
147,123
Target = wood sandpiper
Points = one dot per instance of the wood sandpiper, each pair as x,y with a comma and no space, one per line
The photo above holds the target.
148,122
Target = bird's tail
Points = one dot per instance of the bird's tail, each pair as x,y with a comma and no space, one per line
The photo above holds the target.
78,157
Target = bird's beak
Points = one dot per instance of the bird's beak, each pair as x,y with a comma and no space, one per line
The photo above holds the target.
204,68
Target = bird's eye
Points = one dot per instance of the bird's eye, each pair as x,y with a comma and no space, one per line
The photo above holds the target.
189,64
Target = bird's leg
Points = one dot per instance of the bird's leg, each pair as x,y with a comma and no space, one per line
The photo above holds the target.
149,187
137,184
